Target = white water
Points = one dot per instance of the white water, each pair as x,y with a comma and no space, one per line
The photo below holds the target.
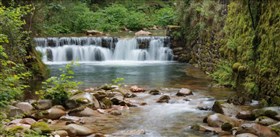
92,49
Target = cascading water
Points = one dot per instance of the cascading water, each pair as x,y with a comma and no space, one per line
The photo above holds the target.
104,49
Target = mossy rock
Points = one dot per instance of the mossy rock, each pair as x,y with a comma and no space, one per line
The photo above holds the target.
236,66
41,127
275,100
242,69
227,126
107,102
263,103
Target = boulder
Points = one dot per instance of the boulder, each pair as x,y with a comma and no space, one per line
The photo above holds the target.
41,127
99,95
136,89
42,104
142,33
266,121
184,92
70,119
217,120
61,133
79,130
225,108
86,98
84,112
154,92
14,111
245,115
25,107
163,99
246,135
204,128
257,129
29,121
271,112
52,113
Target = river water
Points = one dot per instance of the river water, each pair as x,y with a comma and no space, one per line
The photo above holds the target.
148,67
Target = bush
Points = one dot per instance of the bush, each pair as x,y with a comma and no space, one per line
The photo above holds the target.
165,16
58,89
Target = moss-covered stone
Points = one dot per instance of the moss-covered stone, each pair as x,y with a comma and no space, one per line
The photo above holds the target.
226,126
236,66
41,127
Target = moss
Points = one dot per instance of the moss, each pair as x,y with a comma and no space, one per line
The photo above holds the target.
236,66
226,126
41,127
263,103
275,100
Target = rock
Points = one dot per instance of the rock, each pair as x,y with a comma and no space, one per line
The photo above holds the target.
226,126
225,108
142,33
163,99
129,95
266,121
130,133
136,89
52,113
204,128
117,99
107,87
245,115
107,103
29,121
246,135
217,120
25,107
184,92
85,112
86,98
61,133
99,95
257,129
14,111
41,127
72,104
115,113
43,104
79,130
154,92
95,33
70,119
271,112
16,128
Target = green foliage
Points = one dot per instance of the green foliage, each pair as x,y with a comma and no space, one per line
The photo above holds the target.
58,89
165,16
118,81
224,74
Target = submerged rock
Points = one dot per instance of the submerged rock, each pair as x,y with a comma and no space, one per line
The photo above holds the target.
163,99
184,92
154,92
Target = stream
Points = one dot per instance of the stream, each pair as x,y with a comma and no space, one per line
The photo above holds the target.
150,67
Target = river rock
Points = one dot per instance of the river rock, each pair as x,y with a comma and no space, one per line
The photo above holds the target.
61,133
245,115
117,99
130,95
271,112
163,99
129,133
106,103
25,107
142,33
154,92
257,129
225,108
52,113
184,92
86,98
204,128
84,112
217,120
43,104
99,95
246,135
136,89
79,130
18,126
14,111
41,127
29,121
266,121
115,112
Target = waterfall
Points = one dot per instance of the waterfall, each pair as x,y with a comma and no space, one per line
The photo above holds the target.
63,49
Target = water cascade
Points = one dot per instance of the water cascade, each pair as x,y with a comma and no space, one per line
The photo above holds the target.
89,49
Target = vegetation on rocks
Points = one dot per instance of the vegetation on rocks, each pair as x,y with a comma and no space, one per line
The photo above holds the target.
237,42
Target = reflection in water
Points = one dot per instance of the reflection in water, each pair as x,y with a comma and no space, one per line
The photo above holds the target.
161,74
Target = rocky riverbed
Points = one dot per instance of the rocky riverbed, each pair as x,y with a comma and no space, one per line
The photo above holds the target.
134,111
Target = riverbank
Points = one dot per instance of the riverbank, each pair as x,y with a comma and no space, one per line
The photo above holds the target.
112,110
